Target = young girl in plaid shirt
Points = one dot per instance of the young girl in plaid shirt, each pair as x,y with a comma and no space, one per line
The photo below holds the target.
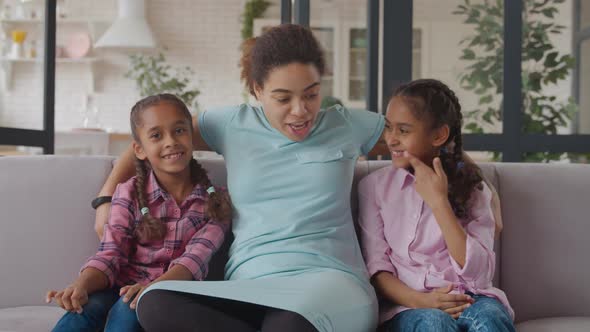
165,224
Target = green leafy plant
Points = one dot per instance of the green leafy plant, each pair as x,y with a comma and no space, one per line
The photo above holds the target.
153,76
542,65
253,9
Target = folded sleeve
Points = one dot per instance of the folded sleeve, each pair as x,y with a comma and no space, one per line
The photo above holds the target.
116,242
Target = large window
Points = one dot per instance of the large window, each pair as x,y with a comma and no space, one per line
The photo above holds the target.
512,63
27,54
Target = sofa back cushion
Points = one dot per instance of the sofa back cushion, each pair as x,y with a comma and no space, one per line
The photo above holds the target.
545,248
47,230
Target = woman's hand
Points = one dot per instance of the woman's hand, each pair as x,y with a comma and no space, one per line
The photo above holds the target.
452,304
431,184
102,218
132,292
72,298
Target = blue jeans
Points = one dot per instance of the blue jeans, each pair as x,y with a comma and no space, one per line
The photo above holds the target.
486,314
105,306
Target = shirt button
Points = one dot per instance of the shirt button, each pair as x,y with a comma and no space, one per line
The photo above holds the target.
171,228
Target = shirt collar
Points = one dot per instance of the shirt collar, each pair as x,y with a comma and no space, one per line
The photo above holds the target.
154,191
404,179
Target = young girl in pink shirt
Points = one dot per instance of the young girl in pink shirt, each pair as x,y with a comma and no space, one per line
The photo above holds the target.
427,226
165,224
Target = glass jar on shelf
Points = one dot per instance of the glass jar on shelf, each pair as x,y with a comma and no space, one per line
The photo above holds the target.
6,13
20,12
61,9
32,49
90,112
4,46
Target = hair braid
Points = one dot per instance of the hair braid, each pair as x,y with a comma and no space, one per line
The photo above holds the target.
218,206
149,227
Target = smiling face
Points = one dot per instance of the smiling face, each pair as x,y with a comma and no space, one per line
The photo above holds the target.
405,132
165,139
290,97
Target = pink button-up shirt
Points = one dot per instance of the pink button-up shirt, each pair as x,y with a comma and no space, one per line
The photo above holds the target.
191,238
400,235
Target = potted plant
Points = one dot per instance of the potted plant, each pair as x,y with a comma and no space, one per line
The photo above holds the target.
153,76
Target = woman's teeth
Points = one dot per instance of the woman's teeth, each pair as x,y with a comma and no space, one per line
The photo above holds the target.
298,126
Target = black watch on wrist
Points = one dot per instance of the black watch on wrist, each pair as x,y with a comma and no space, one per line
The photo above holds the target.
100,200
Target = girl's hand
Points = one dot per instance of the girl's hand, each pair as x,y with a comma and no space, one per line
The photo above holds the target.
72,298
130,291
452,304
431,184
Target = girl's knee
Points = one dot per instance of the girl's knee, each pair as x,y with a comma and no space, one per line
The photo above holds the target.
495,320
488,314
100,302
433,320
433,314
488,308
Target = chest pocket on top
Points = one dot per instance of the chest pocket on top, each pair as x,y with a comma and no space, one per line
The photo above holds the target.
325,156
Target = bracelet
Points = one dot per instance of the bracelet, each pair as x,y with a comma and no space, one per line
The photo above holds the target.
100,200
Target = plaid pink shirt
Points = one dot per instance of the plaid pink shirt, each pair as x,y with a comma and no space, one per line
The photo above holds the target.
191,239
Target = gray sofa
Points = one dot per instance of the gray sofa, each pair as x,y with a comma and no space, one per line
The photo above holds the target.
543,254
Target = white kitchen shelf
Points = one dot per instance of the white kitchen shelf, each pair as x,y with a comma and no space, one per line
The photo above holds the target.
93,24
8,63
65,21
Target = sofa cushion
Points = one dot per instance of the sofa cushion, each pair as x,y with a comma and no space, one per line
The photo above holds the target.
216,171
561,324
47,223
544,264
29,319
